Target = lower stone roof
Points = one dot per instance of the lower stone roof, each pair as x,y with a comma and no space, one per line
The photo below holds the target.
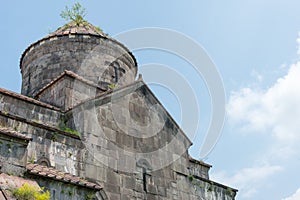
14,134
49,172
27,99
8,182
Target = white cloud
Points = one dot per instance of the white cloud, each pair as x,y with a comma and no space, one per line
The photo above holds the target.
275,110
275,113
295,196
247,180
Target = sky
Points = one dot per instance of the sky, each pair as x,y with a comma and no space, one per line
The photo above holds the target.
255,46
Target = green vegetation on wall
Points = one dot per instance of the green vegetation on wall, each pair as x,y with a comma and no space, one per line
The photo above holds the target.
29,192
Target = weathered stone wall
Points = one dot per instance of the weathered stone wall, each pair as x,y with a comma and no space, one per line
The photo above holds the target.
89,56
13,155
131,123
194,189
61,151
199,169
49,142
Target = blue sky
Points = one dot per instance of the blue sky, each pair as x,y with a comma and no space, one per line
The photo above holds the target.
254,45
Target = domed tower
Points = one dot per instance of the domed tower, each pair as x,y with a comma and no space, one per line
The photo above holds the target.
80,49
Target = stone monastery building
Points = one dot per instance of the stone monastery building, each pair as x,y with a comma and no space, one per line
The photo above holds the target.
86,127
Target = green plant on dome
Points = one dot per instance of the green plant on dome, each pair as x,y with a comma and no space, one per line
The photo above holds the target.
98,29
75,14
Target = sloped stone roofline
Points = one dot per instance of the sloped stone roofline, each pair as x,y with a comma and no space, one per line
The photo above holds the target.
14,134
51,173
71,29
28,99
193,160
128,88
168,114
217,184
72,75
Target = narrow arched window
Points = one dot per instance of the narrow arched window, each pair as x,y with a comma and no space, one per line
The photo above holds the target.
118,71
116,67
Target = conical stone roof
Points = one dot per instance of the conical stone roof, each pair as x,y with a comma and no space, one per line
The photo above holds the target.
73,28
